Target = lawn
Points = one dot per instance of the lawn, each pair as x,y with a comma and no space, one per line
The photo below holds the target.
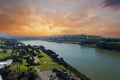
23,66
4,55
46,63
14,67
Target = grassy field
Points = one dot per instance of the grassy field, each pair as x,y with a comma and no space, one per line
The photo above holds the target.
46,63
4,55
13,67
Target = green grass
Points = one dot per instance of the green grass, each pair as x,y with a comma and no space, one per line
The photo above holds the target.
23,66
4,55
46,63
14,67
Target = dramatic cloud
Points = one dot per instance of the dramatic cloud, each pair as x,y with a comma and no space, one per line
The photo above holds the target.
113,4
14,15
33,18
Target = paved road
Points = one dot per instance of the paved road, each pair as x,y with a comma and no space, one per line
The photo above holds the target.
43,75
40,74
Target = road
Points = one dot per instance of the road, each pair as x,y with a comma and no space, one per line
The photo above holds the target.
43,75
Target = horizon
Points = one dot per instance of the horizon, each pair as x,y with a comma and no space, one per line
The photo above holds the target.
4,35
60,17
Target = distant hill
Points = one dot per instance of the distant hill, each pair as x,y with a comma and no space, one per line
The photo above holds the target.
4,35
8,36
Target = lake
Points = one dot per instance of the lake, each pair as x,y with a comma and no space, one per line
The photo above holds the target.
96,64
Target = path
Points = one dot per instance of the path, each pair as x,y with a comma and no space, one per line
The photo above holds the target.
43,75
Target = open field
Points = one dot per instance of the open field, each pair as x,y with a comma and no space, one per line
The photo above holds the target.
46,63
4,55
23,66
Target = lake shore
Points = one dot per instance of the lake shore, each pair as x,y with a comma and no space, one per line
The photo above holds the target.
20,53
88,60
61,61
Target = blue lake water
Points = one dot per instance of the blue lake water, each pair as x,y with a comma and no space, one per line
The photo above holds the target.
97,64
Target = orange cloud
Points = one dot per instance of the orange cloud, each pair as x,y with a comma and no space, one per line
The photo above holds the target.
50,22
23,20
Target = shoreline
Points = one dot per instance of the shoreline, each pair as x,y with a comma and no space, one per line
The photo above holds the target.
84,45
65,64
59,61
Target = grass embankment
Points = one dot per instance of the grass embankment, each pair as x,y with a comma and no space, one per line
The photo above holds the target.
46,63
6,54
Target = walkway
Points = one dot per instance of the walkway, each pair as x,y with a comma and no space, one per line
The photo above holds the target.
43,75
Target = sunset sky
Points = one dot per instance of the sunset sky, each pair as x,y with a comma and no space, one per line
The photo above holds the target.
58,17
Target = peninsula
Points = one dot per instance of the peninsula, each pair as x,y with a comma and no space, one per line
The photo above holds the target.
34,63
